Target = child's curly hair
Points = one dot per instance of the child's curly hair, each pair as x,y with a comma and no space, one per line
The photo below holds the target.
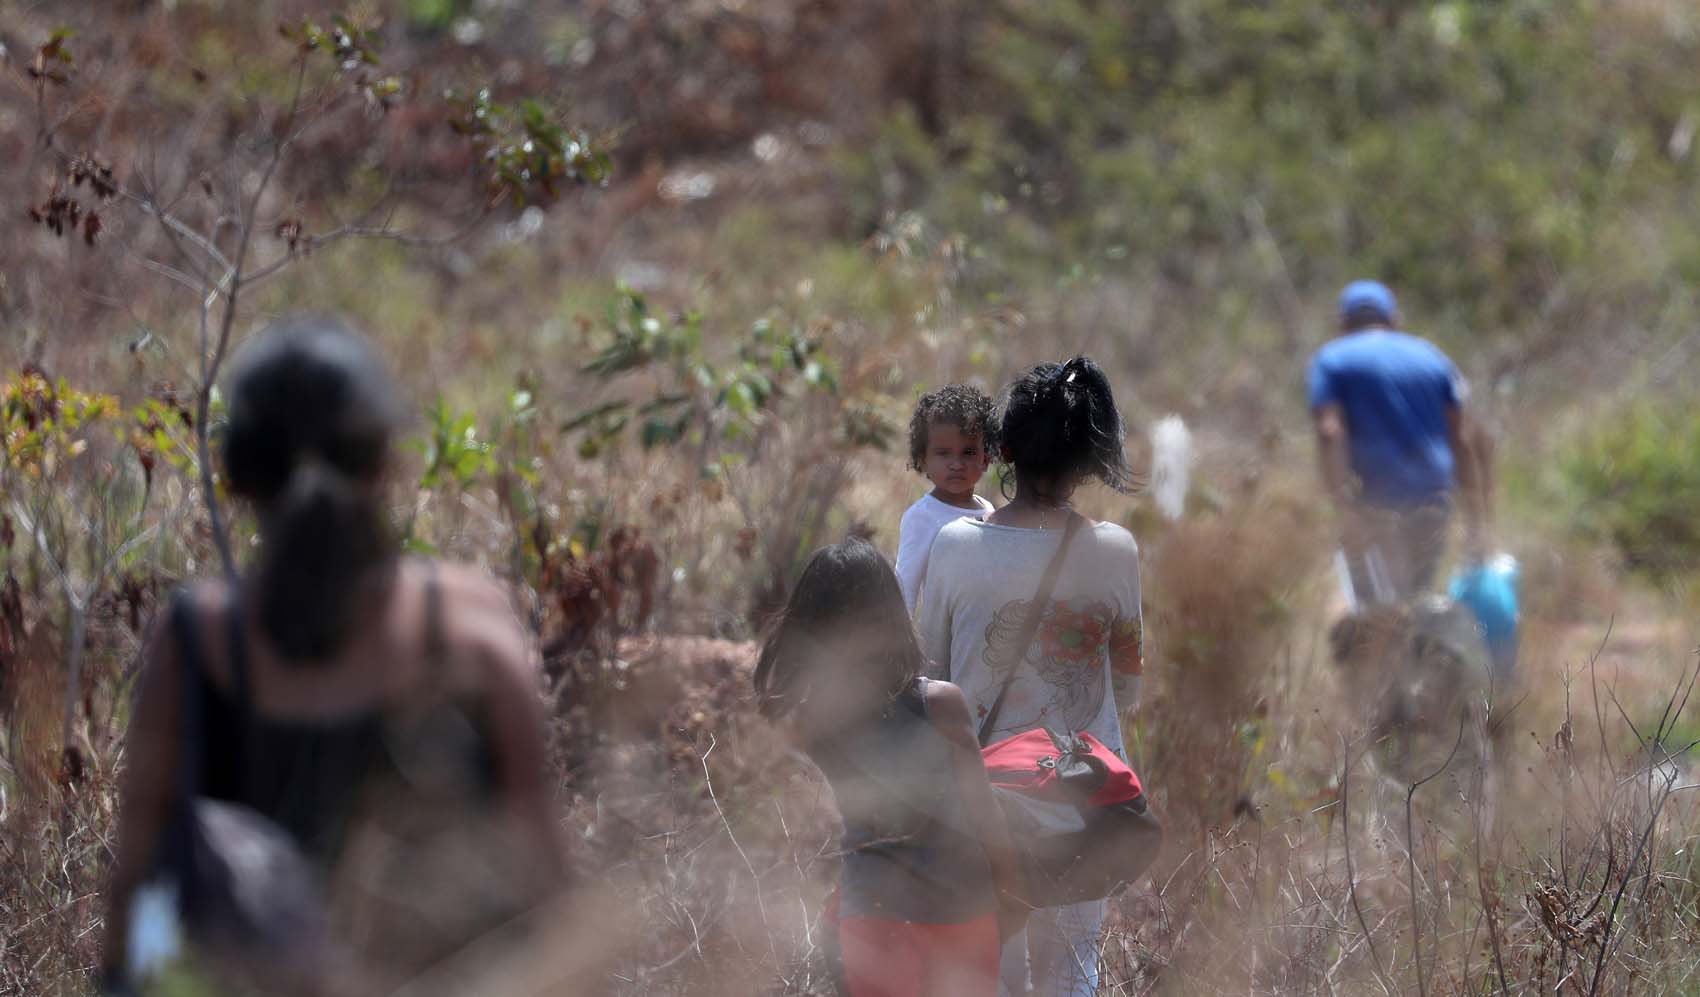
961,405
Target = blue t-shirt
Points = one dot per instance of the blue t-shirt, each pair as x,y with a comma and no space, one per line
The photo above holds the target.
1396,392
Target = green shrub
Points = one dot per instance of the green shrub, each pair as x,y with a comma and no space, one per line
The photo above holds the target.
1636,480
1452,148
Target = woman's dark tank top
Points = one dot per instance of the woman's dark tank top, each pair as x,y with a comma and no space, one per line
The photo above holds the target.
312,776
910,853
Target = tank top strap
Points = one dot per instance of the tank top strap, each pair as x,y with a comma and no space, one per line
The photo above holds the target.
186,631
197,682
920,687
241,682
436,641
191,674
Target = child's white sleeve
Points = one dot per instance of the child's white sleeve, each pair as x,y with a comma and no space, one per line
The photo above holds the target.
1127,642
913,540
933,626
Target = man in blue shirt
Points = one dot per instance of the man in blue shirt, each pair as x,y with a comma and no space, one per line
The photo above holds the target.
1395,446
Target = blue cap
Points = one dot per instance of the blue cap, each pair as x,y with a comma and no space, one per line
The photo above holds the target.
1364,298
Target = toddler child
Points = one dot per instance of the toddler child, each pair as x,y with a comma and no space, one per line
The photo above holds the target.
950,441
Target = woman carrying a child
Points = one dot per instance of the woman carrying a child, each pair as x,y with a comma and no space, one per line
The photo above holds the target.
1080,672
926,853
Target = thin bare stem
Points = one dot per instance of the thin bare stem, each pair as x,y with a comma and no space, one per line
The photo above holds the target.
1607,942
1351,872
232,292
1411,858
330,238
755,880
1593,681
174,274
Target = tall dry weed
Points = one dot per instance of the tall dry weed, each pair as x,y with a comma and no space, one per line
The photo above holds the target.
1221,594
55,833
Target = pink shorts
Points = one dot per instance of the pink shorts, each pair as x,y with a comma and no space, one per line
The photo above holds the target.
905,959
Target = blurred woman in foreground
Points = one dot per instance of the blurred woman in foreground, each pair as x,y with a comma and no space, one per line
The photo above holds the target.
381,711
927,859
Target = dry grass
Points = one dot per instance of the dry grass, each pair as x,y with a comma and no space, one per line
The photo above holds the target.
1296,861
1293,864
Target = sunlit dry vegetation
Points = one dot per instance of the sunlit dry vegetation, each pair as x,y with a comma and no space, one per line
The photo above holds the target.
664,279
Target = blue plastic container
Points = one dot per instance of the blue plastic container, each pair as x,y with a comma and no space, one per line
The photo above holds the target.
1489,589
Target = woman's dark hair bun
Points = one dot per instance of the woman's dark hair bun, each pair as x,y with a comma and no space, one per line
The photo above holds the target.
306,388
312,413
1059,420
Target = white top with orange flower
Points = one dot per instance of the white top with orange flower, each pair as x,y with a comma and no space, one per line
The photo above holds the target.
1088,654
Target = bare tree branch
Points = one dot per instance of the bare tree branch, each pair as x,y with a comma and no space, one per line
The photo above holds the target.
384,233
232,291
172,273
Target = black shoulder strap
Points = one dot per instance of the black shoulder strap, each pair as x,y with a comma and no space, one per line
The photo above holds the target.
176,845
191,666
1030,625
241,685
193,676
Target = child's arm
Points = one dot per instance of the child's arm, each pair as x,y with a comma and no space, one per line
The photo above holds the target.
948,709
933,627
912,544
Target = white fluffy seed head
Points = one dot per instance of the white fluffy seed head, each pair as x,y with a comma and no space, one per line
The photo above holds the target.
1171,465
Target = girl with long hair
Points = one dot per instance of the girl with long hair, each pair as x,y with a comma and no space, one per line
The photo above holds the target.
925,851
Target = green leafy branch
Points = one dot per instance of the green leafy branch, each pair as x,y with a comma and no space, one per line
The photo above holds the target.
526,154
695,396
454,452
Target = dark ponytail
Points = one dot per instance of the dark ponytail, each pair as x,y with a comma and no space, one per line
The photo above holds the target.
1059,422
311,416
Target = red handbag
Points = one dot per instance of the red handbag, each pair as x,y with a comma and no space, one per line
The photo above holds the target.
1047,765
1076,810
1076,814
